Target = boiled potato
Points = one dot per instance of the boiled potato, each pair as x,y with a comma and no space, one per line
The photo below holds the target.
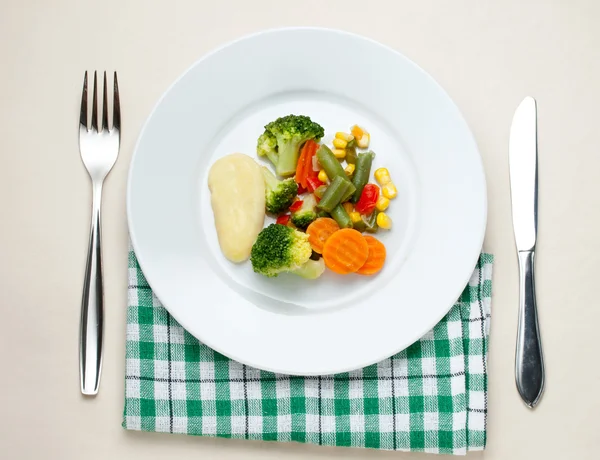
237,191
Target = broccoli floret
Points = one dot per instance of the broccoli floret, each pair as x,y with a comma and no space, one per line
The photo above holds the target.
289,132
267,146
279,194
311,270
304,216
279,249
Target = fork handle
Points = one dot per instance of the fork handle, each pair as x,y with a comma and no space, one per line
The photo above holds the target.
92,305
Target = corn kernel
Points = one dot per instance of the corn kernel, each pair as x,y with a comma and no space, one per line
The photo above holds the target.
340,154
339,143
384,221
323,176
363,142
357,131
350,169
382,175
389,190
344,136
348,207
382,203
355,217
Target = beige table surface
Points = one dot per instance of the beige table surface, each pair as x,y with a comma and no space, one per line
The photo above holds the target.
487,55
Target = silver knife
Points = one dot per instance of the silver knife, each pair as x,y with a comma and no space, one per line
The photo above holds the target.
529,362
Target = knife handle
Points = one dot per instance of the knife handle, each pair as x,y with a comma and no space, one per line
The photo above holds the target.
529,361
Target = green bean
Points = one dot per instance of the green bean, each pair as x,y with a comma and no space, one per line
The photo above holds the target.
323,214
351,155
334,169
320,191
340,215
330,163
334,194
360,226
361,174
349,192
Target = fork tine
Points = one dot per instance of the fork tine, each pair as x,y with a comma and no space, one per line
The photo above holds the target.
116,107
84,101
95,105
105,106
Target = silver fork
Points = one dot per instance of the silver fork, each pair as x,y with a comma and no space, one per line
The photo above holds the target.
99,147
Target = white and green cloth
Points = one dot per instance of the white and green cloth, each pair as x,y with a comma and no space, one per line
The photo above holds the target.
431,397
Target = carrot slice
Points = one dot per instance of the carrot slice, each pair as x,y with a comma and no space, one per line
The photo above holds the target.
312,151
319,232
307,168
300,175
345,251
357,131
376,257
307,165
304,169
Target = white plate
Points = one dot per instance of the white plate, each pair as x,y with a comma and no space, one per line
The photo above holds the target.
288,324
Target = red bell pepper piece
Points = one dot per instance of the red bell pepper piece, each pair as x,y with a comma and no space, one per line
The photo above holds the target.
296,205
368,199
301,189
313,183
283,220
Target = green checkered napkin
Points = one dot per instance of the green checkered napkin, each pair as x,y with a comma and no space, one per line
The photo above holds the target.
430,397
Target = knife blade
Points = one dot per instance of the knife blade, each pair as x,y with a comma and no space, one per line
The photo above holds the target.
529,362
